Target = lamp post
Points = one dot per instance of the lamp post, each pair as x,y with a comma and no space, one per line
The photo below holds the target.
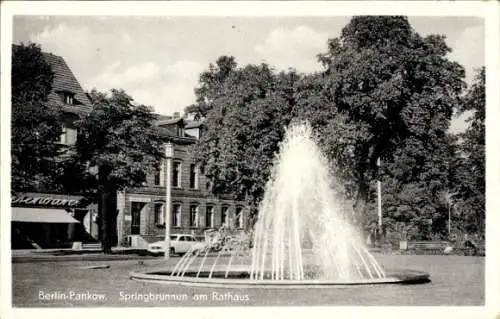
449,220
379,197
169,154
449,200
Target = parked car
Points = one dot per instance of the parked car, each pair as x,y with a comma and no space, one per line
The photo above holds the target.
179,244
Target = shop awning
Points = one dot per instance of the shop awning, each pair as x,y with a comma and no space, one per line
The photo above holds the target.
41,215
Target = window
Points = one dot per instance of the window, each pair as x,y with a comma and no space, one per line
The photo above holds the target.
64,135
180,130
176,215
176,178
159,214
209,218
68,98
159,176
224,215
193,176
239,217
193,216
68,135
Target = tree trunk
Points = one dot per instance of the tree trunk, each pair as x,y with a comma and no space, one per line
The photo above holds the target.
362,193
360,203
107,210
108,218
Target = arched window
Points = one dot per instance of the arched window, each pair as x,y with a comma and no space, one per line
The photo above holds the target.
209,217
193,176
177,178
176,215
159,211
193,215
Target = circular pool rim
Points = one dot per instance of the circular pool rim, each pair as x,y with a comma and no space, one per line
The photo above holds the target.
403,276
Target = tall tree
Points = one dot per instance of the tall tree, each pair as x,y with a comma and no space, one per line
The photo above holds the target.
248,113
386,92
389,87
211,82
470,174
416,189
122,142
35,127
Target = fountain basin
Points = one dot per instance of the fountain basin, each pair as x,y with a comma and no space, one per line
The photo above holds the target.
241,279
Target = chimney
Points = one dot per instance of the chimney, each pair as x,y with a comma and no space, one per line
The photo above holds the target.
177,115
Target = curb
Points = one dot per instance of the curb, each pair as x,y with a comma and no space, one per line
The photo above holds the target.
30,259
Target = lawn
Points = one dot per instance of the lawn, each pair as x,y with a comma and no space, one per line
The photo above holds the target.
456,280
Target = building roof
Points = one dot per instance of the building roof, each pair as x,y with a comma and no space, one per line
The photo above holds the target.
65,81
163,120
175,138
166,125
163,117
193,124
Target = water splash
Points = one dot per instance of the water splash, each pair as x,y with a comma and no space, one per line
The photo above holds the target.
302,232
300,209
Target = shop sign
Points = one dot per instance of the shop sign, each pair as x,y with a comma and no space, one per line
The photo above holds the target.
47,201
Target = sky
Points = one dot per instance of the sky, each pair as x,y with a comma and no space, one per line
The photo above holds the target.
157,60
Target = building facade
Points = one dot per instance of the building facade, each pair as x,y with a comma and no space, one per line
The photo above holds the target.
193,208
45,220
69,96
141,211
52,220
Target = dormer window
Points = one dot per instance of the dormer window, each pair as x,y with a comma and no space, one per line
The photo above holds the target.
175,125
67,97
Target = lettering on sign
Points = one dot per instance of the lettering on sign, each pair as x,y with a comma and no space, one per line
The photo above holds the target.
48,201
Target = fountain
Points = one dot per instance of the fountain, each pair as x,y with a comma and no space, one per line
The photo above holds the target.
302,238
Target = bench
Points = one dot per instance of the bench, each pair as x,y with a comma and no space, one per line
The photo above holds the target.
428,247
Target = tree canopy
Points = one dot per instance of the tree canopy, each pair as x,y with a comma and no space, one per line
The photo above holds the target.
385,93
120,138
35,128
210,85
121,141
470,171
248,112
393,90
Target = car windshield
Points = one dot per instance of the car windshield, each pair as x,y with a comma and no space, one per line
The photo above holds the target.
173,237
